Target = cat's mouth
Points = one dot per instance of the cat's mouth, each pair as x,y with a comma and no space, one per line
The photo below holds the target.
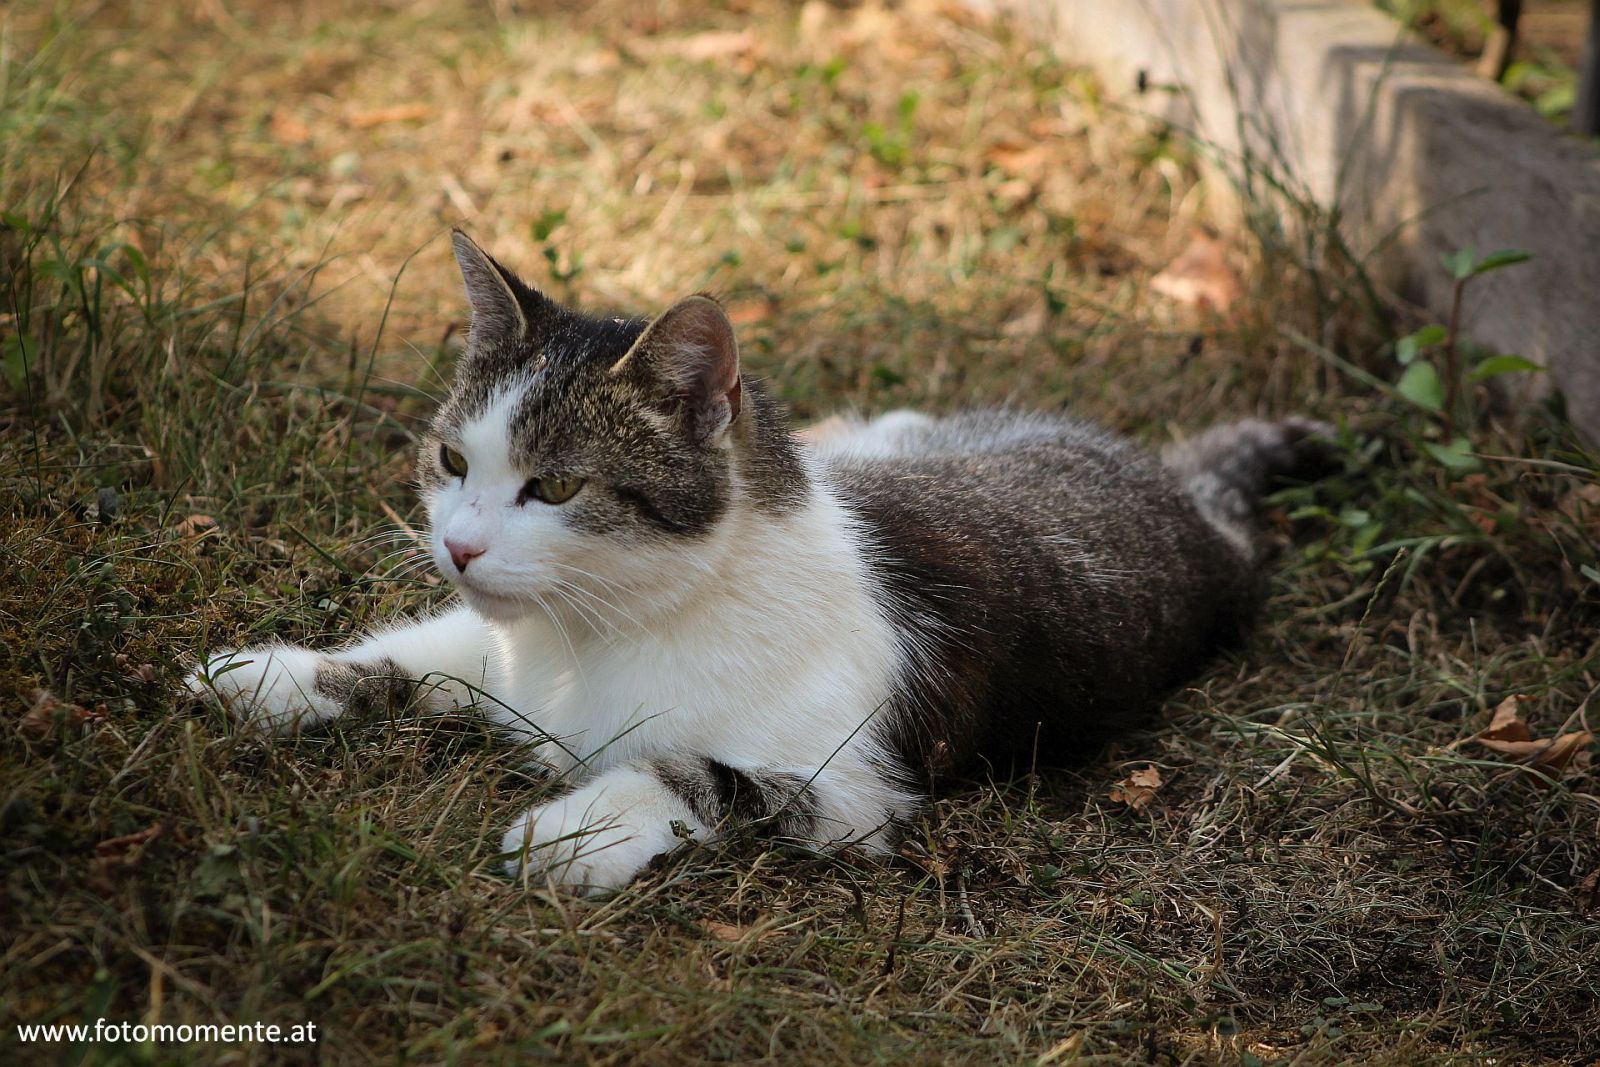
490,604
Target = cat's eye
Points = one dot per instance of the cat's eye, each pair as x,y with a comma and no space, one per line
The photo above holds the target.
552,490
453,462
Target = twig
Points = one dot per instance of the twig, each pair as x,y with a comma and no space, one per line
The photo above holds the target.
964,906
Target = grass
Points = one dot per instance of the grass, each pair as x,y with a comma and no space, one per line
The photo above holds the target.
226,305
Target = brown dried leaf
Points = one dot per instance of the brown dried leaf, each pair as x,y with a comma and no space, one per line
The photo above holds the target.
1025,161
1138,790
1029,322
917,854
1507,724
593,64
875,27
1588,892
1016,190
196,526
378,116
1481,494
118,846
40,717
733,932
47,709
815,15
750,314
1509,736
119,855
287,129
144,672
1553,756
1047,126
1200,277
700,47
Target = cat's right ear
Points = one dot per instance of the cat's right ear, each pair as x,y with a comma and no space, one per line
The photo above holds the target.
502,305
689,359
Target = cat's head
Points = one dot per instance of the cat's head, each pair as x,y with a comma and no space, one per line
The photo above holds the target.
583,461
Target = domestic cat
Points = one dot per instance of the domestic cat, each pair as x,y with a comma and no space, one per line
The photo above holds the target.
701,618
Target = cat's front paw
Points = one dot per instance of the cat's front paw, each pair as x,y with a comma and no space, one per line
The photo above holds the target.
273,687
598,838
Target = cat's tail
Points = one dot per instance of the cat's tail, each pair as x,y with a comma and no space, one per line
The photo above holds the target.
1227,469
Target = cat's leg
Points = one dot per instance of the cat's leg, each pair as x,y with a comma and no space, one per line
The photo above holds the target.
602,834
437,661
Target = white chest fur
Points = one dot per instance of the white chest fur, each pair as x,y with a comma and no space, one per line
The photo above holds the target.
780,660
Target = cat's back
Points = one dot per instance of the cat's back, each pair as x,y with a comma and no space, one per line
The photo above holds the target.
1040,563
1009,473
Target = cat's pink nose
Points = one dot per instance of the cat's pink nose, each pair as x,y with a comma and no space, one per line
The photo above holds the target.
461,553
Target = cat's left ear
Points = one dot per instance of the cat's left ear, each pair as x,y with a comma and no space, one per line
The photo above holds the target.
688,357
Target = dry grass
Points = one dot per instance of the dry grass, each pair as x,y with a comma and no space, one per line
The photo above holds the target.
209,212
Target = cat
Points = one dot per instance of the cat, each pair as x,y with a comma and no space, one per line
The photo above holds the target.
703,619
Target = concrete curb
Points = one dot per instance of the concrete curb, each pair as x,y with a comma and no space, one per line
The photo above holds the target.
1405,140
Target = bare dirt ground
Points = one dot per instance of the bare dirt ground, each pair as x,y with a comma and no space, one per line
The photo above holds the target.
228,300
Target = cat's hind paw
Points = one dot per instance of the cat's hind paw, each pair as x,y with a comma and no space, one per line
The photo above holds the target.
272,688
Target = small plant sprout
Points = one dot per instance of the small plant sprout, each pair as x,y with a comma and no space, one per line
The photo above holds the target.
1436,387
